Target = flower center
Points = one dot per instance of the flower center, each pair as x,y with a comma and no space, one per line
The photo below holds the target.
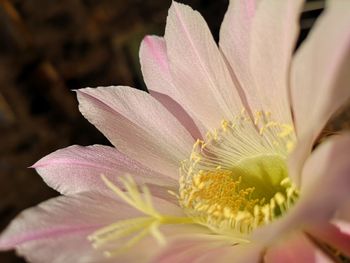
237,178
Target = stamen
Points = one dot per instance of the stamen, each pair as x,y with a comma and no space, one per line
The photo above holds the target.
136,228
237,179
133,241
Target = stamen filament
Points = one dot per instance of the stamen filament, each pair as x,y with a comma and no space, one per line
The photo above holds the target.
140,226
128,245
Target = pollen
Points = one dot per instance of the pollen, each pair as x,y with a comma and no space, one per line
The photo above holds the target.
237,178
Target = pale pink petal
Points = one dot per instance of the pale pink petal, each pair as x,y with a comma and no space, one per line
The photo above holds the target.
326,180
320,76
137,125
321,257
320,69
251,253
178,111
344,213
298,156
76,248
56,230
297,248
344,226
271,40
78,169
156,74
62,216
206,248
334,235
155,66
185,250
73,249
235,35
198,69
326,183
235,43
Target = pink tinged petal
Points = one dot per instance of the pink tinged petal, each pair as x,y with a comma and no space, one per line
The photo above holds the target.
156,74
185,252
320,76
56,230
233,253
326,180
72,248
344,213
138,125
76,248
297,248
63,216
344,226
198,69
274,31
321,67
235,42
333,235
182,116
206,249
320,257
77,169
186,249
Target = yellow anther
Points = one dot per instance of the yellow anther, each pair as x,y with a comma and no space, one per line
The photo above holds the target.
271,124
279,198
286,130
224,125
266,213
227,212
286,182
290,146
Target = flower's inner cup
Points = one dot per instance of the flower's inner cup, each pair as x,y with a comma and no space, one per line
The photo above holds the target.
237,178
234,181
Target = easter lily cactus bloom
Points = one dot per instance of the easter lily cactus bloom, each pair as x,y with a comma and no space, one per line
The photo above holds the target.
216,163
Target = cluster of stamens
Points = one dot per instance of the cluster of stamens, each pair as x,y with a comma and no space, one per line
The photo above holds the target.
236,179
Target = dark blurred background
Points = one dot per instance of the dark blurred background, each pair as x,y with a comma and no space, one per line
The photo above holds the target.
48,48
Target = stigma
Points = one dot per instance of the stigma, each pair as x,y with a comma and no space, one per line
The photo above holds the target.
237,178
